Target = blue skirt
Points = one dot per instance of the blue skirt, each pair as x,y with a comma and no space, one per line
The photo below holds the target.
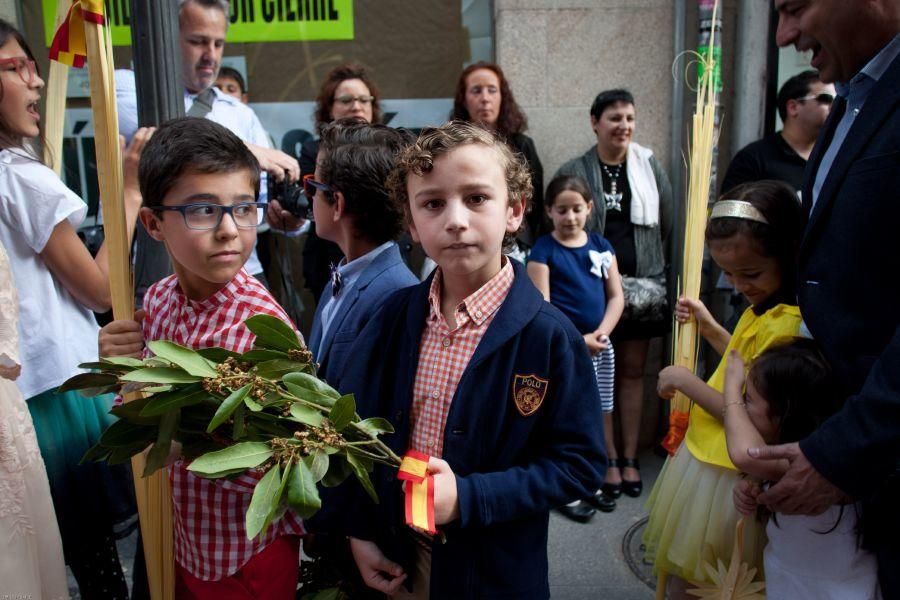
93,499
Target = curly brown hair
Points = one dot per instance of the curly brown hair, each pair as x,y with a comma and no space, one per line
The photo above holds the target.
511,119
339,74
434,142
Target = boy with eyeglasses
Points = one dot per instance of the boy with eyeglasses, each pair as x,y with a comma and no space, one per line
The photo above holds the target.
199,184
351,207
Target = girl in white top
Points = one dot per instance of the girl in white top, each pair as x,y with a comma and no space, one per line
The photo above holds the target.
59,284
789,393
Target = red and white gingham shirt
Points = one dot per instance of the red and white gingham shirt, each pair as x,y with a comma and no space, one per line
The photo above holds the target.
444,355
210,537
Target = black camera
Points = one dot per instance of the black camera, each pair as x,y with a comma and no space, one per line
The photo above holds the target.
290,196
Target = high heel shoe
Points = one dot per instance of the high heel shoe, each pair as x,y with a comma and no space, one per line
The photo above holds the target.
612,490
631,488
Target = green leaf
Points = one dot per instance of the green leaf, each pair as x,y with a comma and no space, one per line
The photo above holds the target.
131,411
122,433
183,357
329,594
306,415
278,368
258,355
277,505
305,380
343,412
262,502
88,380
318,465
124,454
220,474
156,458
217,355
95,453
123,361
237,432
309,395
303,496
338,471
375,425
105,367
175,399
245,455
228,406
252,404
273,333
161,375
361,470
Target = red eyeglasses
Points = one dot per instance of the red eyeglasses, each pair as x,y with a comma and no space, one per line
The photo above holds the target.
310,186
25,67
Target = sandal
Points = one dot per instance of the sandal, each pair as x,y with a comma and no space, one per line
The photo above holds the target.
631,488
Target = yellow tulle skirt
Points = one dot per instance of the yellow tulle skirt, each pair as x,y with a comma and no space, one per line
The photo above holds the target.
692,520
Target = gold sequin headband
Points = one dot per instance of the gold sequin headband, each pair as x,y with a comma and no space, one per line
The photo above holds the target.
737,209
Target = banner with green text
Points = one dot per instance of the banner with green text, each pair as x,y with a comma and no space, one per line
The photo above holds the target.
251,20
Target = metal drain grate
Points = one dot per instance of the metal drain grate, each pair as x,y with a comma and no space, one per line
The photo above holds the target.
633,551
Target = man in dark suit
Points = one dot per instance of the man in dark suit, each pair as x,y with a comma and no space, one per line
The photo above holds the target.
849,266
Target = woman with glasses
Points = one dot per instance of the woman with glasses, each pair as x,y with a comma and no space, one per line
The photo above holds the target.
483,96
632,210
59,283
347,92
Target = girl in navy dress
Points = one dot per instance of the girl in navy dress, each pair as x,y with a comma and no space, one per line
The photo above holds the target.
576,271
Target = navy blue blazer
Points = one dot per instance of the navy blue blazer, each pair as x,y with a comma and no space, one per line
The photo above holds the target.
524,434
849,295
385,275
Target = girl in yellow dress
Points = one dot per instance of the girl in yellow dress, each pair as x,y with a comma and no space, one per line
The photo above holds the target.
753,235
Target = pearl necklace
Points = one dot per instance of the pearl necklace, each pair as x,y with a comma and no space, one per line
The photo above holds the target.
613,199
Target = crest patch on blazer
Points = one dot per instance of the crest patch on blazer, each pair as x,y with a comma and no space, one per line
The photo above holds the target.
529,392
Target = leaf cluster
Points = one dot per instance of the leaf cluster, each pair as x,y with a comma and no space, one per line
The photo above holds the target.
263,411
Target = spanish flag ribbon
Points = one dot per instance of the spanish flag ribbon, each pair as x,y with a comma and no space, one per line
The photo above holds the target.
68,45
418,488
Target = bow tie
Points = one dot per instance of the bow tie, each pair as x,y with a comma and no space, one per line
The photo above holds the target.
336,282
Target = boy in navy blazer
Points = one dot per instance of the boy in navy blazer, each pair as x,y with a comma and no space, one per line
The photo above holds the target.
476,370
351,207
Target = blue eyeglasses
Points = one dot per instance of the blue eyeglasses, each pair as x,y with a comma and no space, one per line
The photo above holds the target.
204,215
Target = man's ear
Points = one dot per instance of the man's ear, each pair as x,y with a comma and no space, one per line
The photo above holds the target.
339,206
150,221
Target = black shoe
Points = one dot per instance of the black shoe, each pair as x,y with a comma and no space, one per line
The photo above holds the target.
602,502
611,490
581,512
631,488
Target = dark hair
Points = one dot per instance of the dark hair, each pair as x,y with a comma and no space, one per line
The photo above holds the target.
562,183
7,32
339,74
780,238
797,383
222,5
607,98
231,73
190,145
356,158
434,142
794,88
511,119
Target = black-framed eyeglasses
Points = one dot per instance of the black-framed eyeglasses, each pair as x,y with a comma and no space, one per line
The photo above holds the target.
347,99
823,98
204,215
310,186
22,65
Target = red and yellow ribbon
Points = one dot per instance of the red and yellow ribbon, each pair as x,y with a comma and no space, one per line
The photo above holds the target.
418,488
69,46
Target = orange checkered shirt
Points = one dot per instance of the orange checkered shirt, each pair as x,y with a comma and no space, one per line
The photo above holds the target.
444,354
